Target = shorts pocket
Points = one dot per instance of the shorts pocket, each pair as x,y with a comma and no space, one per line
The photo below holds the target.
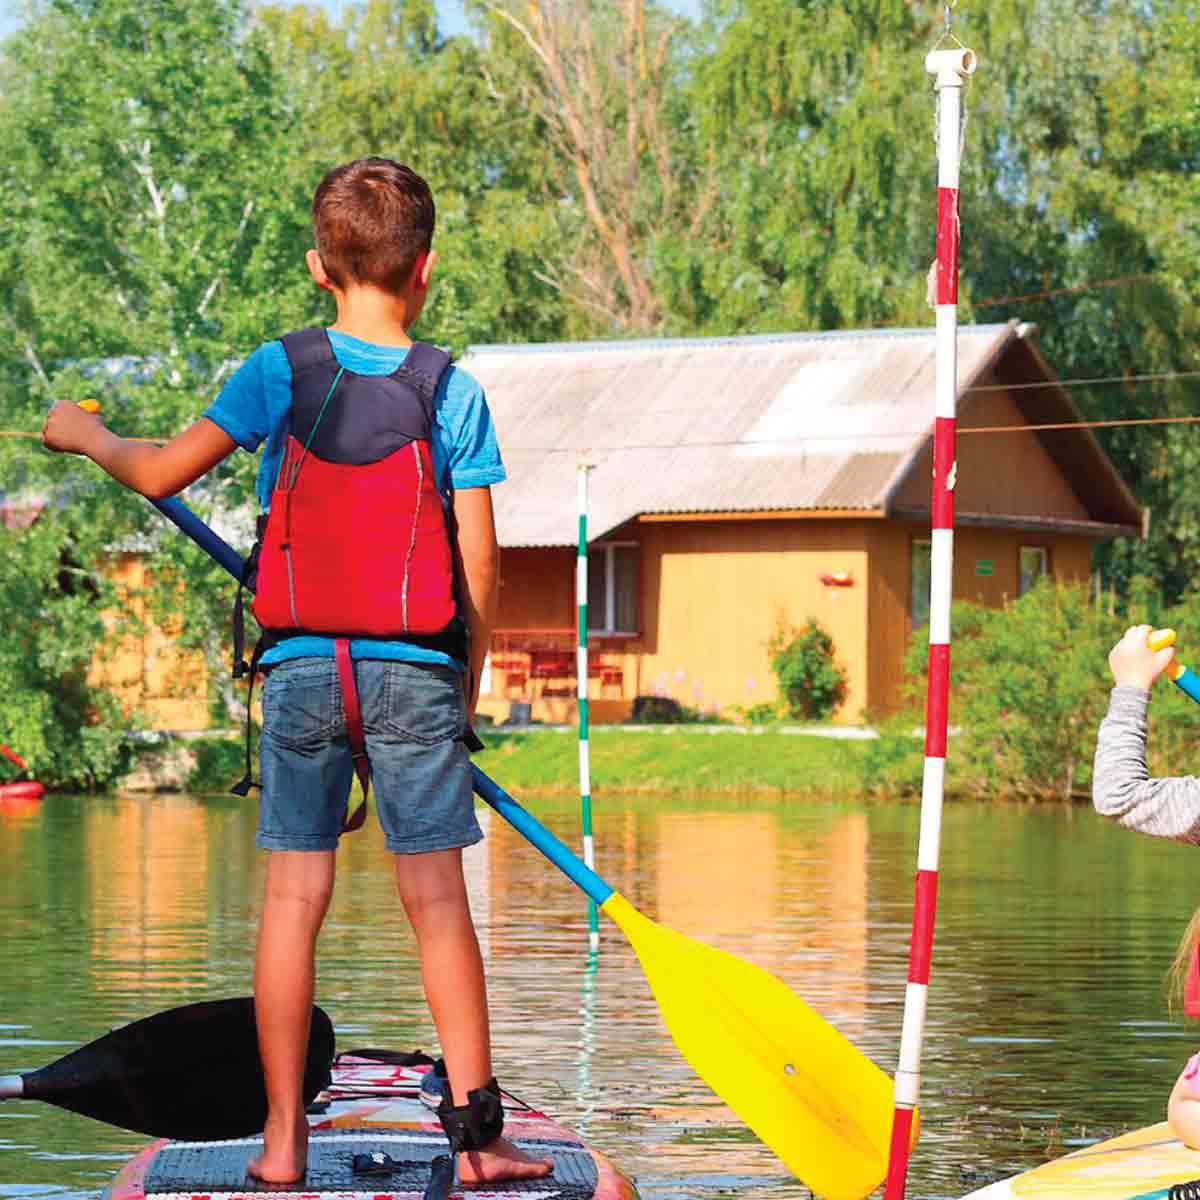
420,704
301,704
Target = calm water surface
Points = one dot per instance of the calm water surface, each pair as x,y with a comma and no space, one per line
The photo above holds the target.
1047,1023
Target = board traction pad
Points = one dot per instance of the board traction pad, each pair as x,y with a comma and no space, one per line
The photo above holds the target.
219,1169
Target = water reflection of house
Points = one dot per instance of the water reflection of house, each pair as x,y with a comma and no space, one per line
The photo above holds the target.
800,911
744,482
148,891
793,898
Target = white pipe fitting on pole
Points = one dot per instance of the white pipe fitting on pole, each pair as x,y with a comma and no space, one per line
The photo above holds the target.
950,67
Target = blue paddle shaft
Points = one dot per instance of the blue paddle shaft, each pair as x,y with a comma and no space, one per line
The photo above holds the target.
216,547
527,826
540,837
1187,681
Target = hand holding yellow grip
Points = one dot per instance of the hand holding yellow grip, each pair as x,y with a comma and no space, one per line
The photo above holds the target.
1160,639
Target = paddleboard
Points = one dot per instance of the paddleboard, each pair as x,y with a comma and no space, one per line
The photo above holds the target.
371,1113
1147,1164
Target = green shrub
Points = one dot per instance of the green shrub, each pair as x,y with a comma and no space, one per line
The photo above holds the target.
664,710
766,713
72,735
812,684
1029,685
221,762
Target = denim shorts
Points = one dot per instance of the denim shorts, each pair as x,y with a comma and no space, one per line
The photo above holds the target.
413,717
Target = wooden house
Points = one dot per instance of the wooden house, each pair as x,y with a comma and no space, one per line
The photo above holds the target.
743,485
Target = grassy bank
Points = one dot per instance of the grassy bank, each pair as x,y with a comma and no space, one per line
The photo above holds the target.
673,759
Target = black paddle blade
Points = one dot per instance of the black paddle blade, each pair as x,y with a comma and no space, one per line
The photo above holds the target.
191,1073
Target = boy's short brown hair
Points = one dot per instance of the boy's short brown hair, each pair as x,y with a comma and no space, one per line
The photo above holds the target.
372,219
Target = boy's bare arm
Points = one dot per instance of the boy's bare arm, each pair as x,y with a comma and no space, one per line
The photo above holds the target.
479,568
150,469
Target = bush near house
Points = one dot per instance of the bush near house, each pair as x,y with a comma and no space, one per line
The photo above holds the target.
1029,687
812,683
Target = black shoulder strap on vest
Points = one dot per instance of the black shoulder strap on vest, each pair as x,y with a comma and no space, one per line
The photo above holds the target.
422,369
307,347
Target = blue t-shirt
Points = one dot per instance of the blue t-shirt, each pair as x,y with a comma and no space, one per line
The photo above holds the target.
254,406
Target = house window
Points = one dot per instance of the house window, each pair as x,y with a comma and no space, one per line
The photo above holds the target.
920,555
612,588
1032,563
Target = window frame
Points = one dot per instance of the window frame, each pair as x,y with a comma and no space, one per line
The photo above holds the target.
913,543
1044,551
610,589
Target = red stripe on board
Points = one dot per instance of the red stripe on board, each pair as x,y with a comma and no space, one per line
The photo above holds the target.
937,701
924,909
947,246
942,504
898,1155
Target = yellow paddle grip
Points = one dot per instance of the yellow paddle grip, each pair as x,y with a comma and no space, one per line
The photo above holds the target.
1160,639
92,406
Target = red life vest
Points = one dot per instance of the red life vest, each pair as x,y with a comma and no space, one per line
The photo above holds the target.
356,543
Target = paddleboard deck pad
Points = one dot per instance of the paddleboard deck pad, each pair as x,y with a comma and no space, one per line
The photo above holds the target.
1147,1164
371,1139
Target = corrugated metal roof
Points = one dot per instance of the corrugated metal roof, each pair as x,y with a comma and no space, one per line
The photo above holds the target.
767,422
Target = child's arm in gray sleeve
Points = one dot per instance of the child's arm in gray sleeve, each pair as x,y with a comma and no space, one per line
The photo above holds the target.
1121,783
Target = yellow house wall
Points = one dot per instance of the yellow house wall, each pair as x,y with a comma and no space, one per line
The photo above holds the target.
890,585
713,594
1009,473
145,669
537,588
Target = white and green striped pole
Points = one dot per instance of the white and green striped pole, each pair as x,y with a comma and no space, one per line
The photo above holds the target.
581,673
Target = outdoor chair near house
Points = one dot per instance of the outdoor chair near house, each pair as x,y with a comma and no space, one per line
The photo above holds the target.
612,675
554,668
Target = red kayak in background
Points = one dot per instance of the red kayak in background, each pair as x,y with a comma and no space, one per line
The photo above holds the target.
21,789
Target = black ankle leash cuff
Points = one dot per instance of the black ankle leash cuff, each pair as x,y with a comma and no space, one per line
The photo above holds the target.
473,1125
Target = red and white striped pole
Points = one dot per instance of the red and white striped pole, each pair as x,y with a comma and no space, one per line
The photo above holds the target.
950,69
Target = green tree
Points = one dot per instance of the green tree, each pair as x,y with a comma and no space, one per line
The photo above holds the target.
386,82
150,231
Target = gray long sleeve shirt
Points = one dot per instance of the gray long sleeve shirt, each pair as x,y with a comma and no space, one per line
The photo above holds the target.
1121,784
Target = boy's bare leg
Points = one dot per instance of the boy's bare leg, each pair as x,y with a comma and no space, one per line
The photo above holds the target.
434,894
299,884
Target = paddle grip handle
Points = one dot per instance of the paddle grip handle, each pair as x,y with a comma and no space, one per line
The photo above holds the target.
1184,678
487,789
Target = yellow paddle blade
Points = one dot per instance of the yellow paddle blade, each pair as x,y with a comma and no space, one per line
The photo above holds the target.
817,1101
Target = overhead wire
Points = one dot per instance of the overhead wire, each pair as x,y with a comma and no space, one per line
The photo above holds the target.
1094,381
1051,293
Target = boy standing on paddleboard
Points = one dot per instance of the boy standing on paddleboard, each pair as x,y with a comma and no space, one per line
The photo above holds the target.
377,567
1124,790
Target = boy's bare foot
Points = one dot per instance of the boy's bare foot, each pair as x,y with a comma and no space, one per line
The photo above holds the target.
500,1160
285,1154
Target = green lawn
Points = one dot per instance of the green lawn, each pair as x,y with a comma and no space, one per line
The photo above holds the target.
672,759
678,759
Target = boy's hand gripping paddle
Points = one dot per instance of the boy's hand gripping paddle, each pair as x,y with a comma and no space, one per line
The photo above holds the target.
816,1100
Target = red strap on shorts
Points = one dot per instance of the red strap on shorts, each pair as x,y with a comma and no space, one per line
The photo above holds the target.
354,730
